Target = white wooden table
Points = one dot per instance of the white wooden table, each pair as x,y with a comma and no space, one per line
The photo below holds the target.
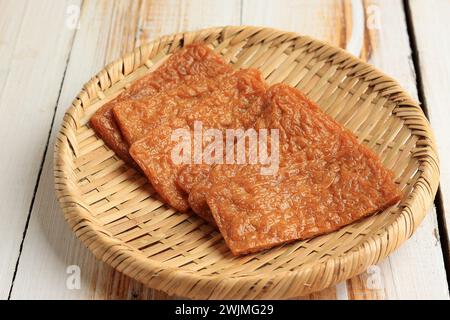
48,49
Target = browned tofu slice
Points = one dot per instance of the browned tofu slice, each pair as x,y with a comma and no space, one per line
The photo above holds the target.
190,61
325,180
236,104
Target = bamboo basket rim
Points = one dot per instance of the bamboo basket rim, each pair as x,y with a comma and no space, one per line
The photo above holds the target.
349,263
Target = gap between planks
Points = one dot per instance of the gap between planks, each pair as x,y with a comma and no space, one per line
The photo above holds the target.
61,43
240,19
442,227
41,165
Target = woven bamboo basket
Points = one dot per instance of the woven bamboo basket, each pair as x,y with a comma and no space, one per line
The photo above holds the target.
115,213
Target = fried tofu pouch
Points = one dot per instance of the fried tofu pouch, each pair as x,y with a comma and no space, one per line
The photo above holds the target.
191,61
238,103
325,180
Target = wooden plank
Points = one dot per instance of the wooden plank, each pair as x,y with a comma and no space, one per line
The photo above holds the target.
416,270
50,247
107,30
432,31
365,28
33,61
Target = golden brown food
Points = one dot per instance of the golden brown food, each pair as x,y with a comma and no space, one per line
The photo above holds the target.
236,104
192,60
192,179
136,118
325,180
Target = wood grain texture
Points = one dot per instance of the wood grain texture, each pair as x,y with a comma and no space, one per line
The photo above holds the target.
27,105
416,270
107,30
432,35
111,28
50,247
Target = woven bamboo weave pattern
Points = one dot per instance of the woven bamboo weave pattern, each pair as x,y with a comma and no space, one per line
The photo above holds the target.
115,212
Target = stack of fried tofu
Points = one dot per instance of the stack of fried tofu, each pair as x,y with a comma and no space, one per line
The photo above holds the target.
323,178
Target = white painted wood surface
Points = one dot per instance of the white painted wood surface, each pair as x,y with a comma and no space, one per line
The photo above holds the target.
33,52
432,32
416,270
108,29
50,247
411,272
